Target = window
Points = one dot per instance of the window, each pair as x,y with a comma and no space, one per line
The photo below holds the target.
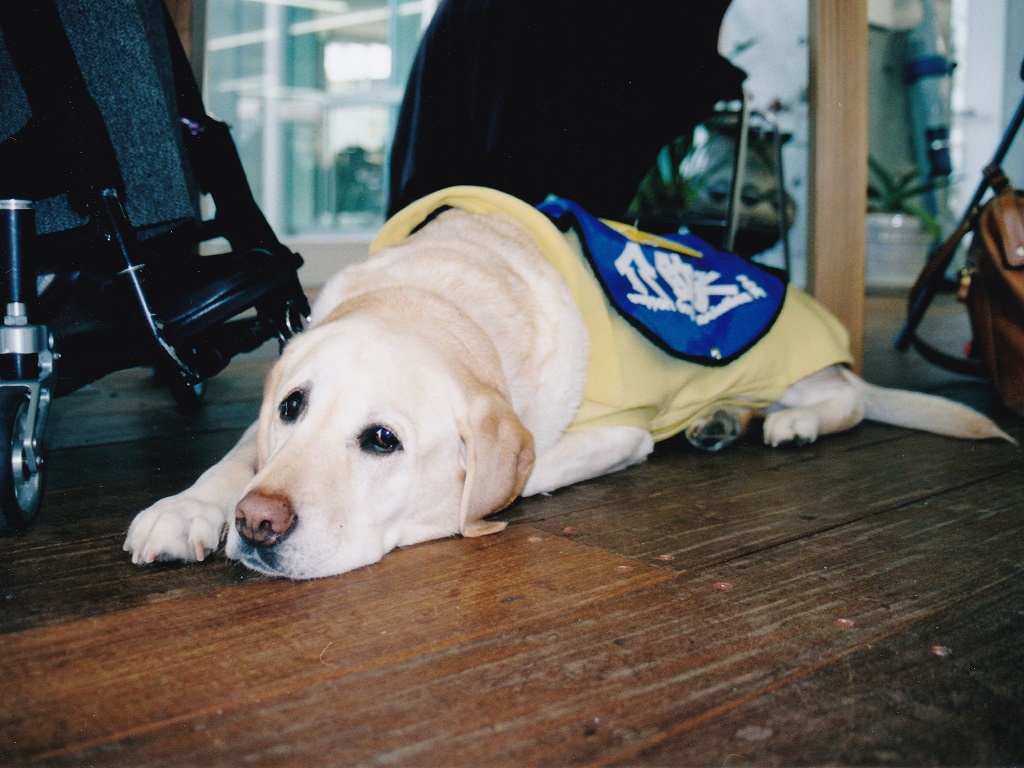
311,89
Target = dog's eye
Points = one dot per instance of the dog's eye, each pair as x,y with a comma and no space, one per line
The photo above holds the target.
379,439
292,406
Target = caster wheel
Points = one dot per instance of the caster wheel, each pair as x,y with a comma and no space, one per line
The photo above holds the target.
189,397
21,485
295,320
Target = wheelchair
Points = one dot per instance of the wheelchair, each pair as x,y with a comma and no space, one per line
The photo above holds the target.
108,161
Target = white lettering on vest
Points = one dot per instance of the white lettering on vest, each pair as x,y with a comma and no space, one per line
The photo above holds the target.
694,290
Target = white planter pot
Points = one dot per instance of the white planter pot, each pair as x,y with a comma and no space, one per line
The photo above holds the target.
896,248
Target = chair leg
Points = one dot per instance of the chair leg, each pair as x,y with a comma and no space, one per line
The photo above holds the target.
26,372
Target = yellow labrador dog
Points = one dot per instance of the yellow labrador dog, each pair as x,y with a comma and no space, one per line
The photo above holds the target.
453,371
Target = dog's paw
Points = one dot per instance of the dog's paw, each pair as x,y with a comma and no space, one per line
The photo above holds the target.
790,426
716,429
175,528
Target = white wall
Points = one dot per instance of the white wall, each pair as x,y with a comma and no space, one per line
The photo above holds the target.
988,37
323,257
1013,86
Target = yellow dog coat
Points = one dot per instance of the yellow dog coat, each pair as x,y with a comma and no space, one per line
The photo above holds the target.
630,381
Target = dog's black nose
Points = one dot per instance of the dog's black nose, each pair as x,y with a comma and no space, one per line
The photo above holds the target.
264,519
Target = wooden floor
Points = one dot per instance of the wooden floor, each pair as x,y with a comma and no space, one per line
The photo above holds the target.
860,601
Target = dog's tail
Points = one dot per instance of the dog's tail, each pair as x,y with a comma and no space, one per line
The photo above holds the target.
929,413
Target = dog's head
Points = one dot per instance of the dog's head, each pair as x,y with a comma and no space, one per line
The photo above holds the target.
379,428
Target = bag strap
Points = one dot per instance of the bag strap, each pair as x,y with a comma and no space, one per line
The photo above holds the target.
934,272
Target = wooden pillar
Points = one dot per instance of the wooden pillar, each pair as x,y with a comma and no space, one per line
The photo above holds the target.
181,14
838,93
189,17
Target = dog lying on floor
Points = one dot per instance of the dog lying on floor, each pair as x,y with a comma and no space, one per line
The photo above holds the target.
453,371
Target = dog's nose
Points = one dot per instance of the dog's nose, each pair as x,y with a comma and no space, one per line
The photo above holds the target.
264,519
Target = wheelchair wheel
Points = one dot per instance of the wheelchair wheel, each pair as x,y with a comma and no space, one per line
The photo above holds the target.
189,397
21,487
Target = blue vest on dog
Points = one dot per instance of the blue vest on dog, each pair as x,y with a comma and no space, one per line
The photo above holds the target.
692,300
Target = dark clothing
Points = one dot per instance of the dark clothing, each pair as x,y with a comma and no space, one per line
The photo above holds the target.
572,97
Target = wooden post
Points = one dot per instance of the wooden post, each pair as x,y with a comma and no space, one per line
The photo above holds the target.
181,14
838,93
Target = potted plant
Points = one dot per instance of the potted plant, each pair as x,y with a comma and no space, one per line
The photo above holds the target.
900,229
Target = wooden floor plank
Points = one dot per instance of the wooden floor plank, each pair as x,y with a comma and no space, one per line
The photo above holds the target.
945,326
249,643
132,405
692,510
133,464
948,692
675,464
593,682
70,564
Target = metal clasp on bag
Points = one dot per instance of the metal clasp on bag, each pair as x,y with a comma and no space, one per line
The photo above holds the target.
966,278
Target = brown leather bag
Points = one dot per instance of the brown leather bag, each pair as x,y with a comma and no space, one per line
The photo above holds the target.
991,285
993,288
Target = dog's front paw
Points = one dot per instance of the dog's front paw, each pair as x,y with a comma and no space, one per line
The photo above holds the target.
176,528
791,426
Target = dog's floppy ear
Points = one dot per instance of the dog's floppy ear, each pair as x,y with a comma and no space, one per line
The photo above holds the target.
499,457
